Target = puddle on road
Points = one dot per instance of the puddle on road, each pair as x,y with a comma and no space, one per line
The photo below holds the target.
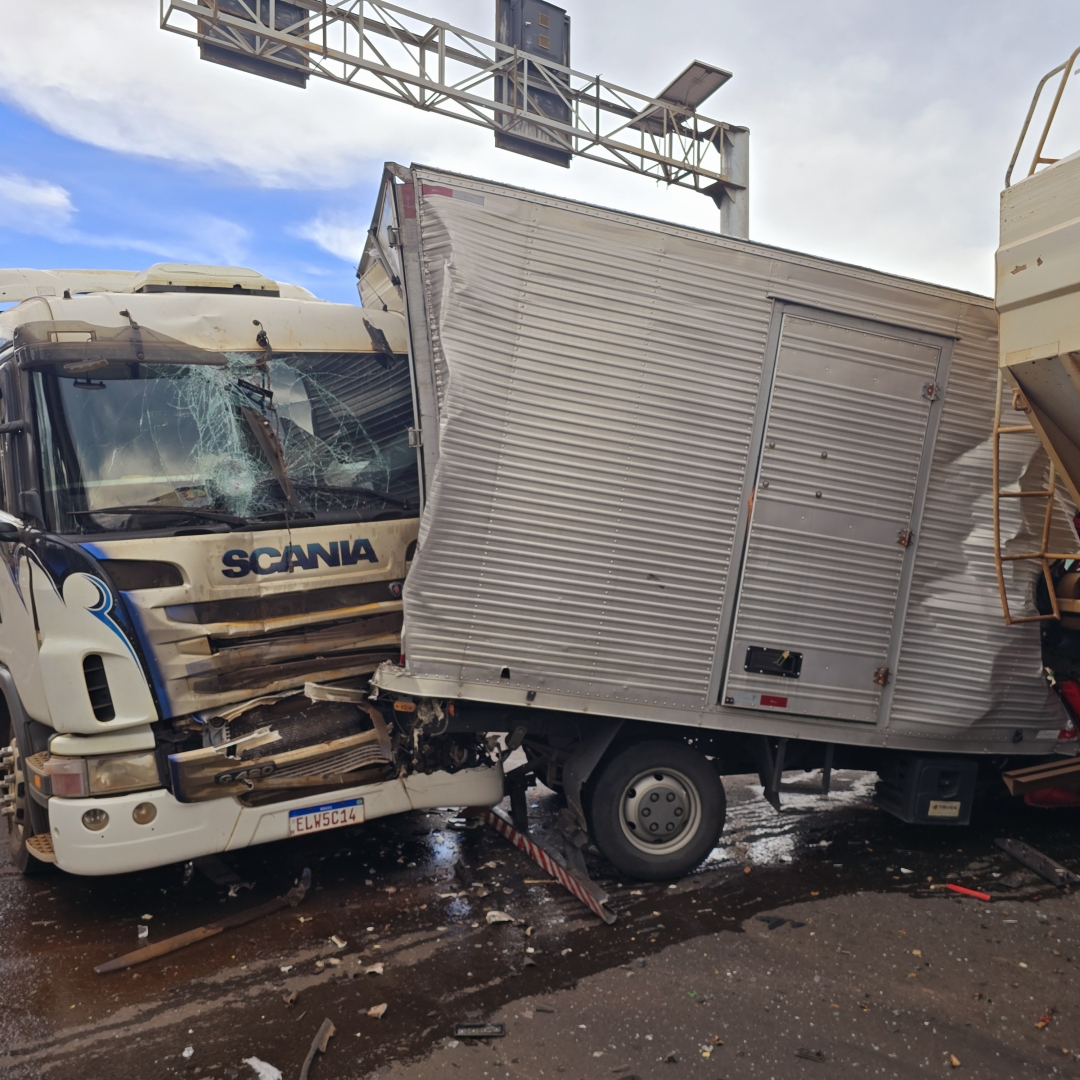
390,890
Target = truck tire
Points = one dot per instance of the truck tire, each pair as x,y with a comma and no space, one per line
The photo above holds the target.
20,825
656,809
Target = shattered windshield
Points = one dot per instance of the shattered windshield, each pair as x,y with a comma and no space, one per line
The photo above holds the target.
302,435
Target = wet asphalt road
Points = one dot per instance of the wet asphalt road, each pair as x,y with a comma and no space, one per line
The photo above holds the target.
391,891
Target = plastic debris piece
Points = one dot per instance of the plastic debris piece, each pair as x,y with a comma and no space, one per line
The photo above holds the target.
377,1011
954,1061
566,952
498,917
318,1046
263,1069
333,961
339,942
528,962
716,1041
286,968
143,932
374,969
1043,1022
479,1030
916,952
289,998
808,1054
969,892
146,918
673,1057
905,870
188,1052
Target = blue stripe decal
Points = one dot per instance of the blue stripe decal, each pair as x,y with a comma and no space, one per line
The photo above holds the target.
101,610
95,551
151,659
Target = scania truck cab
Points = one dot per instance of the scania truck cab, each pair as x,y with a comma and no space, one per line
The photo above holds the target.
209,501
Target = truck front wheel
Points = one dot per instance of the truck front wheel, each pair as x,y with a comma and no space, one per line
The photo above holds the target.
656,809
19,822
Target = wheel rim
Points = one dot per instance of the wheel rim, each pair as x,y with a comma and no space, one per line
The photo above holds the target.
660,811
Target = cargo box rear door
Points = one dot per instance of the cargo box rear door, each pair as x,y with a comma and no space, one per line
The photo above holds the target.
845,450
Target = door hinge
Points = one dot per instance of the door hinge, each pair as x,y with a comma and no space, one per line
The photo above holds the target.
904,537
881,676
416,437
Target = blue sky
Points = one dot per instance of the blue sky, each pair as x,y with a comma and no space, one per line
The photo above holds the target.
879,133
127,211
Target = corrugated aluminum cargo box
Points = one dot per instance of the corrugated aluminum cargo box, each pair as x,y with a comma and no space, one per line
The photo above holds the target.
675,476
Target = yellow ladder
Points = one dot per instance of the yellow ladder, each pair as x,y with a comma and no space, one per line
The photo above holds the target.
1042,555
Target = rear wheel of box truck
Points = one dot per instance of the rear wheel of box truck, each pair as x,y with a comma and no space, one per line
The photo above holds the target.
656,809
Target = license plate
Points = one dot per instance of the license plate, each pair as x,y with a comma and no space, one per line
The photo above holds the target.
312,819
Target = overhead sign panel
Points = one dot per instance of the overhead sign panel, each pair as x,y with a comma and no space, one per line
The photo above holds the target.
541,30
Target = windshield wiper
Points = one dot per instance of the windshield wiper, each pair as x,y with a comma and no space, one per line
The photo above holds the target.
157,508
333,489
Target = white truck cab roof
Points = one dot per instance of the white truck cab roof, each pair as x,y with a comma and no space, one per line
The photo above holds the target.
219,308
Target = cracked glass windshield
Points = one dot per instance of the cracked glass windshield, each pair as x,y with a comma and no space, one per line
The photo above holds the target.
321,436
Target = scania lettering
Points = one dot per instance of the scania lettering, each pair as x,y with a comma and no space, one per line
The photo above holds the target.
336,553
209,501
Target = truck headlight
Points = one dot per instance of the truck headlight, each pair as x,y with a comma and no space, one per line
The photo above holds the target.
122,772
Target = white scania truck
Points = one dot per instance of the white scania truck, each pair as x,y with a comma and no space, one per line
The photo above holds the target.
209,502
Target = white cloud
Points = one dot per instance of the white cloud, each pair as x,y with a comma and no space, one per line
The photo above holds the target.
33,206
339,236
879,133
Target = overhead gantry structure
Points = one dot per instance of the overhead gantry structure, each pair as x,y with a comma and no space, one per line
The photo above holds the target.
519,86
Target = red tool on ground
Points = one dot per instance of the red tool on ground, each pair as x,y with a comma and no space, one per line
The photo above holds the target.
970,892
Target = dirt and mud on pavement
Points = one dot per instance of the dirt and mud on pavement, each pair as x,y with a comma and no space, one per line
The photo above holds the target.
819,942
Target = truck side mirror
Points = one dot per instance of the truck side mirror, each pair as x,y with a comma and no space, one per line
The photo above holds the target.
10,533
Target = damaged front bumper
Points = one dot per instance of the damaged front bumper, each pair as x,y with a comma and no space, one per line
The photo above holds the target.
183,831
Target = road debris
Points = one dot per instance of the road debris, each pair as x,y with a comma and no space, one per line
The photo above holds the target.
954,1061
1043,1021
498,917
339,942
143,932
374,969
1035,860
318,1046
810,1055
189,1051
290,997
585,889
168,945
376,1012
985,897
263,1069
479,1030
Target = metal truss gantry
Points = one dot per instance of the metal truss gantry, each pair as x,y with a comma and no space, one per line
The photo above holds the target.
431,65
